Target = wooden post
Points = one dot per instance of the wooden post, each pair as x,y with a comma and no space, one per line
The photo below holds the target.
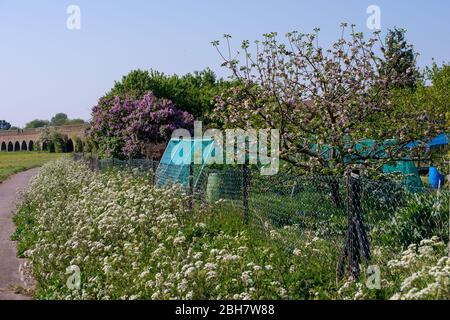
356,244
154,168
97,163
152,175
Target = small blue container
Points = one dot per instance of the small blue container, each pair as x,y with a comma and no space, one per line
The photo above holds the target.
435,179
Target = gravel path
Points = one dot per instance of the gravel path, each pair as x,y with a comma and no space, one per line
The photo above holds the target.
10,278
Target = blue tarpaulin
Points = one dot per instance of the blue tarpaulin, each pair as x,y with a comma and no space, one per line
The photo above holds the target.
440,140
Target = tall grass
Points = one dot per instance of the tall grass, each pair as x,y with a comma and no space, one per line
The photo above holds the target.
14,162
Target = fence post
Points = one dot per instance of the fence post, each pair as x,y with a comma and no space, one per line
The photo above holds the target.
154,167
91,163
356,243
97,163
245,191
152,173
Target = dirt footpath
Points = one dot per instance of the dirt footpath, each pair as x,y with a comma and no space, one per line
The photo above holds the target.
10,277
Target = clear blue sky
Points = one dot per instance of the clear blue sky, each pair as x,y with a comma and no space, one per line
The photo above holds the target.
46,68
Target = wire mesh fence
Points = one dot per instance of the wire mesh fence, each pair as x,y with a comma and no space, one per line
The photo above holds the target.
350,213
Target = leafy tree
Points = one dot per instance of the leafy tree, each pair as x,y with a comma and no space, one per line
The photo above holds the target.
37,124
193,93
59,119
54,140
133,85
399,58
122,127
432,98
79,145
438,94
75,121
323,101
4,125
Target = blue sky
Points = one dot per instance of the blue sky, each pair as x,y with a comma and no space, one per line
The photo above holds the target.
46,68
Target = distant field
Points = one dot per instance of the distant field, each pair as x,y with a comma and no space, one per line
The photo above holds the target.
13,162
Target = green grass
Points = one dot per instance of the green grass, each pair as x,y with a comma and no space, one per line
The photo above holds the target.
14,162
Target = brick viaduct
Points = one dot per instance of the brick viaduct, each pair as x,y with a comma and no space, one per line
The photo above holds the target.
28,139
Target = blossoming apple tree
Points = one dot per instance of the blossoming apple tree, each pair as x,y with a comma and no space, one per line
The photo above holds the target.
327,103
323,101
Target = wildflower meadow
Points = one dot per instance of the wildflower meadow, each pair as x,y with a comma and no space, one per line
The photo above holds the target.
131,240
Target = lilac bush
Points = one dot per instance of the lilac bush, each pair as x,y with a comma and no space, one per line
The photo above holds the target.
122,127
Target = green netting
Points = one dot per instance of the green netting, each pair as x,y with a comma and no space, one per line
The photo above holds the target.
366,147
411,175
177,161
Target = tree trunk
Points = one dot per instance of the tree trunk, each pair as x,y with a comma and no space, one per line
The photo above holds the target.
356,244
335,193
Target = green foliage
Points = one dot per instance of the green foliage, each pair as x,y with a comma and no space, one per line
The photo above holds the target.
133,85
400,56
422,216
438,94
59,119
4,125
54,140
79,145
90,146
440,97
37,124
75,121
426,104
193,93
